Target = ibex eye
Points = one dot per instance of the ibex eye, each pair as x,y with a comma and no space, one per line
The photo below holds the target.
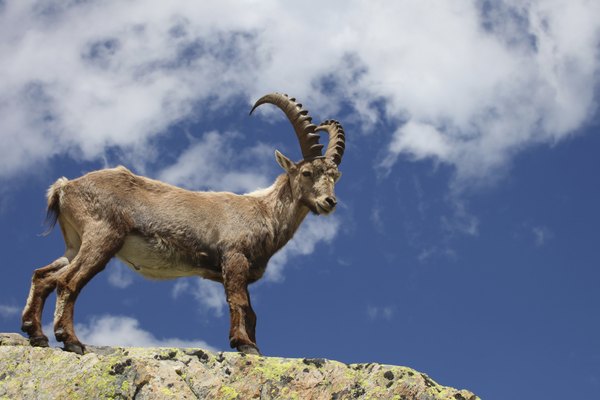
306,173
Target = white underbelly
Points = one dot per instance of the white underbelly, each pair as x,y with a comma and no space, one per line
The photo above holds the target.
155,263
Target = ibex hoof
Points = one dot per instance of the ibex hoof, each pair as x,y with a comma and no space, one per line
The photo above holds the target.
38,341
76,348
248,349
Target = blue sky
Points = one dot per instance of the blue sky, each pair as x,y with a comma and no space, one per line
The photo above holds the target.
465,244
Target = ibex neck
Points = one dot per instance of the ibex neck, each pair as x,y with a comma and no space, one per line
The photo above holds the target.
285,209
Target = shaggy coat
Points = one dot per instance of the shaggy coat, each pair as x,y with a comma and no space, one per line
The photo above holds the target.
164,232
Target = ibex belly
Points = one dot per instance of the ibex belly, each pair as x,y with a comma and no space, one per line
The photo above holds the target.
156,260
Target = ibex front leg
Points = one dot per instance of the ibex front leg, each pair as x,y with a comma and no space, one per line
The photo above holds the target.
243,318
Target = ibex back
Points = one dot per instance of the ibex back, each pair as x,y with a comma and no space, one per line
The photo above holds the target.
164,232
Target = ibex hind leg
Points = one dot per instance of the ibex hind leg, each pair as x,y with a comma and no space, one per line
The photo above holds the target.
43,282
100,242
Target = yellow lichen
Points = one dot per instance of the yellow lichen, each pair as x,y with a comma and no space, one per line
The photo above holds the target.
274,368
228,393
167,392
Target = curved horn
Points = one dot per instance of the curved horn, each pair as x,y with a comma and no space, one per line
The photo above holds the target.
337,140
301,121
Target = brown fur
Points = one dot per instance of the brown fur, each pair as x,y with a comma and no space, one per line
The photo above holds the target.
164,232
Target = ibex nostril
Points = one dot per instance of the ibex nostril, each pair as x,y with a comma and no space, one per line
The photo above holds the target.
331,201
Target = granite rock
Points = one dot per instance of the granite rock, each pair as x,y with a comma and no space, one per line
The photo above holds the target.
185,373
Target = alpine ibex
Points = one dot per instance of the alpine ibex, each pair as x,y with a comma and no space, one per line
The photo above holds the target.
164,232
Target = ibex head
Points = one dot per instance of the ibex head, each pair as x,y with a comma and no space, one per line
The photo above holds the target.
313,179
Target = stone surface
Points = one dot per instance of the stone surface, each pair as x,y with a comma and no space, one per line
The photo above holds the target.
163,373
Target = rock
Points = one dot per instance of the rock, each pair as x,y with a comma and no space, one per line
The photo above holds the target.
13,339
157,373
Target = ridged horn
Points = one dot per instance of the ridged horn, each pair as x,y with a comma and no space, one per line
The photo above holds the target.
337,140
301,121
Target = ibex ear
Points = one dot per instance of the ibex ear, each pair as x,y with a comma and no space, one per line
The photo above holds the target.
284,162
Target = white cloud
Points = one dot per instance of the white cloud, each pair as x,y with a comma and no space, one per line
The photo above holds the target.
461,220
469,83
213,163
529,231
384,312
482,96
428,253
541,235
8,311
119,275
114,330
420,140
313,230
82,76
376,218
209,295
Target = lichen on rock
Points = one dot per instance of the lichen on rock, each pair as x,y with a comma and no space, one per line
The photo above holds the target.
163,373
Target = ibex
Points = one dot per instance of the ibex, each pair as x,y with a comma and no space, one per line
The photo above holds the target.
164,232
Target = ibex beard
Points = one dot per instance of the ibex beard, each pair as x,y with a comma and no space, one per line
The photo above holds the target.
166,232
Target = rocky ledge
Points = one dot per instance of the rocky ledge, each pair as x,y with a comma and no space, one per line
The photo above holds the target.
180,373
